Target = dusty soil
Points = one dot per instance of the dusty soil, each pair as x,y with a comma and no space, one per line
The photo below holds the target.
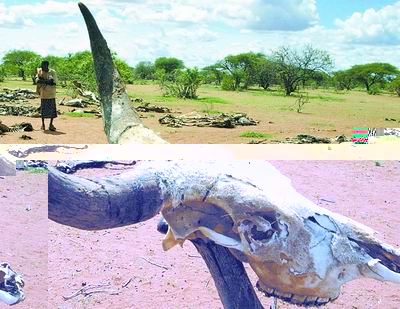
321,118
360,190
70,130
23,221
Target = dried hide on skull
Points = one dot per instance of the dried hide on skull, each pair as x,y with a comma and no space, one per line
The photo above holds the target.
11,285
301,253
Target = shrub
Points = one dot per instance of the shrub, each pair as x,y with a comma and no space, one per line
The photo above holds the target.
181,84
228,83
255,135
301,101
2,74
394,86
374,90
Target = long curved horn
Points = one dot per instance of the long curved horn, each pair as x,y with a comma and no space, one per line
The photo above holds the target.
104,203
121,123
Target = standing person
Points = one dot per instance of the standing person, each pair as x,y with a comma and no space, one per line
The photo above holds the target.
46,81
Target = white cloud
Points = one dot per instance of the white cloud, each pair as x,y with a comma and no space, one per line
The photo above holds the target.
284,15
17,16
10,19
373,27
291,15
192,35
53,8
200,32
108,22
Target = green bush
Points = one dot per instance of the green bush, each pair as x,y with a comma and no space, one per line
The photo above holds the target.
228,83
255,135
374,90
2,74
394,86
181,84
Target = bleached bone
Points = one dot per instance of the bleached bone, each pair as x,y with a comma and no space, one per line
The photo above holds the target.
11,285
121,123
301,253
381,272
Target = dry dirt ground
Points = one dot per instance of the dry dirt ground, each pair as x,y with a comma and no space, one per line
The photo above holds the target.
363,190
23,221
328,115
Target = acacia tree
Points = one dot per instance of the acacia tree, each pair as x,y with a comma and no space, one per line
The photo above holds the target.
294,67
266,73
213,74
394,86
373,73
168,65
344,80
21,62
145,70
242,68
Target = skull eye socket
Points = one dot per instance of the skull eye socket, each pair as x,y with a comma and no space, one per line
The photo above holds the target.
261,235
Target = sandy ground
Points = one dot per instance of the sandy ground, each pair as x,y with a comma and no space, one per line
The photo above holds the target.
71,130
361,190
24,233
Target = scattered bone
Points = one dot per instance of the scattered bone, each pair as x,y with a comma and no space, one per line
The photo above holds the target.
85,94
17,95
19,110
20,127
74,103
305,139
195,119
11,284
147,107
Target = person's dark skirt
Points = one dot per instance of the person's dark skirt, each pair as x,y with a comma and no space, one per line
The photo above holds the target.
48,108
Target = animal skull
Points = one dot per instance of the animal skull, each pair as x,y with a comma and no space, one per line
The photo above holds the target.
301,253
11,285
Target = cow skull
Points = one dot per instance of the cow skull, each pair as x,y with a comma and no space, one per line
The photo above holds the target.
301,253
11,285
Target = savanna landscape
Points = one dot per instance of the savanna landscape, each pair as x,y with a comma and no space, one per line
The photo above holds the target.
329,113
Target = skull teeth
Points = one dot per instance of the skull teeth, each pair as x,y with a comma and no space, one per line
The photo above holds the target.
306,301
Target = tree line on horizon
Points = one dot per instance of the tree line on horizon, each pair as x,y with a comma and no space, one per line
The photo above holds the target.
289,68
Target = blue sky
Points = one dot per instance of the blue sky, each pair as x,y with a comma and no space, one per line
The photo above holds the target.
202,32
330,10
